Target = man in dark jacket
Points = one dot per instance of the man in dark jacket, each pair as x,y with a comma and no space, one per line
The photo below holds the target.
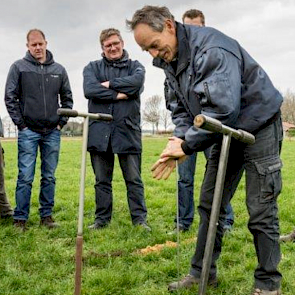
36,86
113,86
212,74
186,170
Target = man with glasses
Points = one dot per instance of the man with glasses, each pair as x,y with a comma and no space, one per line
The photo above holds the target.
113,86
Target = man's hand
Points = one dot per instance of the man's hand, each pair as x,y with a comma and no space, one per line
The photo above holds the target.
122,96
163,168
173,148
106,84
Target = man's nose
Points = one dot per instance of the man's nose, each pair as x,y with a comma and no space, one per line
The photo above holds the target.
153,52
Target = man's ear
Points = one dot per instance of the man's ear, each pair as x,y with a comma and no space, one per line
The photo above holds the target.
170,26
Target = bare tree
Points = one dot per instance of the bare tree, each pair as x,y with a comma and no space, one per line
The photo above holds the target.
288,107
9,129
152,110
165,118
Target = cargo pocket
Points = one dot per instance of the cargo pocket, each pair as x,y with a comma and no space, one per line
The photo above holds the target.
270,178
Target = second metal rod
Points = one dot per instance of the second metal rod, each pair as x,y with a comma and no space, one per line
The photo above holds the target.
215,211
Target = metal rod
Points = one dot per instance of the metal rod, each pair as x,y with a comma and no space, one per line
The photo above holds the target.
215,211
177,225
79,241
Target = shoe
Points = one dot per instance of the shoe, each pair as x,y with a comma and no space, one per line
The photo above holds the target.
266,292
188,282
7,215
182,229
20,224
144,225
288,238
97,225
49,222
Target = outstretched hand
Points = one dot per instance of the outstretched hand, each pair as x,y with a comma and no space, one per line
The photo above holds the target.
163,168
173,152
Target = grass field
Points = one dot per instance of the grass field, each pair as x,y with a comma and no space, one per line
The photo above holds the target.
42,262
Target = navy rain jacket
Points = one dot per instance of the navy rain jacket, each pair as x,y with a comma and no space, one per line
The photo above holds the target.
215,76
124,132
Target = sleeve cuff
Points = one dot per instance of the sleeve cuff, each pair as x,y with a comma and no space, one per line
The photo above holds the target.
186,149
21,126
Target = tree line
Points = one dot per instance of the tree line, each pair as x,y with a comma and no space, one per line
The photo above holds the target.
154,114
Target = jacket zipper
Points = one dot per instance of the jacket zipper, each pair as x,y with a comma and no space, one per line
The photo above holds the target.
43,90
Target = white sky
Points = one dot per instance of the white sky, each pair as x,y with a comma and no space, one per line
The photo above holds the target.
265,28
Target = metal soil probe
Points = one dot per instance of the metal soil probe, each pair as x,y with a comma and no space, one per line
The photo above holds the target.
79,240
214,125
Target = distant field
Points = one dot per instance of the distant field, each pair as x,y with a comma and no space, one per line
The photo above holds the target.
41,262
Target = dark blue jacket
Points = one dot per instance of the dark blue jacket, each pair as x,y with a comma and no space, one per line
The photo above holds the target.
33,91
125,76
215,76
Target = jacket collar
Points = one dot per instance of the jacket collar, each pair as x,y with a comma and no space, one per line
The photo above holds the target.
31,59
119,63
183,51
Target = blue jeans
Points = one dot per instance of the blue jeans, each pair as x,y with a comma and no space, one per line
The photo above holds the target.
103,166
263,185
229,218
28,143
186,204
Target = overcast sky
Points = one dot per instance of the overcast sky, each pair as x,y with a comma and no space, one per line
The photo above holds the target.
265,28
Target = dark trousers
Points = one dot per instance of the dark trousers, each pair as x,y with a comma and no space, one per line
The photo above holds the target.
5,208
186,204
103,166
263,185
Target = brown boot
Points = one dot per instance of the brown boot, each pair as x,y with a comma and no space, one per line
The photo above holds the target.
20,224
188,282
266,292
288,238
49,222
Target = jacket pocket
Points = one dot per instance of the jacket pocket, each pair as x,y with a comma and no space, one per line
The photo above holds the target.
216,95
270,178
132,125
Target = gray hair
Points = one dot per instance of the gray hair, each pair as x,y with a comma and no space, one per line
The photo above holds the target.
153,16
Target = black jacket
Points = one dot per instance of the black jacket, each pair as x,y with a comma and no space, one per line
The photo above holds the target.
215,76
125,76
33,91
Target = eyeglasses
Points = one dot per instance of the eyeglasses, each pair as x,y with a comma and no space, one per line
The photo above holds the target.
109,46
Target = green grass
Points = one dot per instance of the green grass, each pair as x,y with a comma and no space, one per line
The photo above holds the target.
42,262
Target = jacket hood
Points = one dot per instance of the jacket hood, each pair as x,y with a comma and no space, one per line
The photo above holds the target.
31,59
118,62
